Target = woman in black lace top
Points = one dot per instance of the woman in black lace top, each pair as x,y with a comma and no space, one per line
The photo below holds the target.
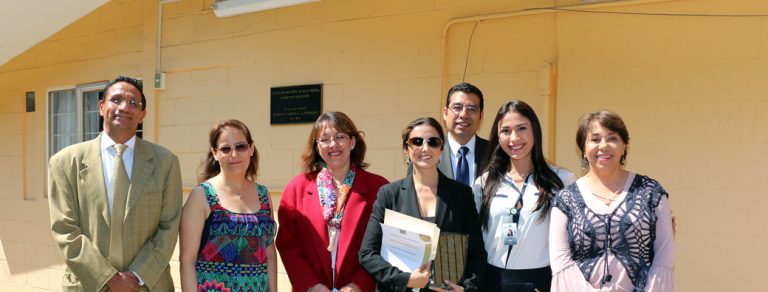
612,229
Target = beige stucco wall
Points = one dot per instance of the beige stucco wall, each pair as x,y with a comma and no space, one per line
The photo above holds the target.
689,88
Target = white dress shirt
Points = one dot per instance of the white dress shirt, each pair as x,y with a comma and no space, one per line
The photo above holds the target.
454,146
532,249
108,153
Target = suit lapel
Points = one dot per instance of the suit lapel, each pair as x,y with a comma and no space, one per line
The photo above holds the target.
481,145
445,165
353,212
92,175
315,213
143,168
410,203
443,196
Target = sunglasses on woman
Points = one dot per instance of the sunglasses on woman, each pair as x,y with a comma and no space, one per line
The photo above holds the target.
432,142
241,147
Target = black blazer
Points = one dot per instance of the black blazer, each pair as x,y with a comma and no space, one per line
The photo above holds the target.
455,213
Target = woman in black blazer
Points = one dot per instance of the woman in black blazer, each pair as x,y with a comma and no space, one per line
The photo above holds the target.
429,195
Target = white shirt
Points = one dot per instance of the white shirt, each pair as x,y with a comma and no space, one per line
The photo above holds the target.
454,146
108,153
532,249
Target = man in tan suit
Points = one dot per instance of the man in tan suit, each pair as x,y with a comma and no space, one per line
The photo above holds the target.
115,202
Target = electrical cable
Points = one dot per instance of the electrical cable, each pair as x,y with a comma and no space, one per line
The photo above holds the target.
469,45
649,13
561,9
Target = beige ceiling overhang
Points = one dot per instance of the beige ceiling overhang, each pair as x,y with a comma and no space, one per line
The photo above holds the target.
23,24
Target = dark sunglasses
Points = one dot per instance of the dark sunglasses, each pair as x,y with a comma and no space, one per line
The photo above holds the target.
242,147
433,142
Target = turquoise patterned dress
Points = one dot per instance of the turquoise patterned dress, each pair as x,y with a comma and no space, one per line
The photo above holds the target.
233,248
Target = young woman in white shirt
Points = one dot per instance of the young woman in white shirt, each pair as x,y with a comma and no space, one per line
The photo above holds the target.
513,199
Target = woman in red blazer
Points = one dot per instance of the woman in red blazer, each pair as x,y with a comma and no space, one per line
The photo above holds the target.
324,210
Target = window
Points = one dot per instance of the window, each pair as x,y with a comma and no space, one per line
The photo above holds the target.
74,116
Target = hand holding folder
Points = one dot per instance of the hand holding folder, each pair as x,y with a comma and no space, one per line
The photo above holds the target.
409,242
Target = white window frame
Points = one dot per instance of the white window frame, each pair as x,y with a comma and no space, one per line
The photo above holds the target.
80,90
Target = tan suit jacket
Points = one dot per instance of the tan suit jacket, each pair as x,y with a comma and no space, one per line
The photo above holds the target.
80,219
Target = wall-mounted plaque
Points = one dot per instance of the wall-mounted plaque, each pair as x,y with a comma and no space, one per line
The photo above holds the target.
296,104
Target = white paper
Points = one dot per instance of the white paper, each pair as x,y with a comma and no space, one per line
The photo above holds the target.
404,249
416,225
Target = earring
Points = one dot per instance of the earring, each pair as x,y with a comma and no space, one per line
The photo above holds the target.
623,159
584,163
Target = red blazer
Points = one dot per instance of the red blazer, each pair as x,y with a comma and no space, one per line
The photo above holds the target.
302,236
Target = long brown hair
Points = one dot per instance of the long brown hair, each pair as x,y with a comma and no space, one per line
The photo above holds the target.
210,167
311,159
497,163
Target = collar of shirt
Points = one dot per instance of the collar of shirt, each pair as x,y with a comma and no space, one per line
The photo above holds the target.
107,143
455,147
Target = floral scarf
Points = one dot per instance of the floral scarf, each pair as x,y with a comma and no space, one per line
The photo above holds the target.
333,212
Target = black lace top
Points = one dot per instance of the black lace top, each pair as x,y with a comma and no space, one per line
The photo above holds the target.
628,232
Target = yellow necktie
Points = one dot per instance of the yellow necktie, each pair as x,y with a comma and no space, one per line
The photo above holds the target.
120,184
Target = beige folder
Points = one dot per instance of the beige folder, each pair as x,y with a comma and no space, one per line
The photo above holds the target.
451,259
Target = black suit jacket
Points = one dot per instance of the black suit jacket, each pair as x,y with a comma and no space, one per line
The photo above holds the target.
455,213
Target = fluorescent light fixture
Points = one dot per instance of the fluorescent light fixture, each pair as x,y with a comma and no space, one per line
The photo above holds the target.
226,8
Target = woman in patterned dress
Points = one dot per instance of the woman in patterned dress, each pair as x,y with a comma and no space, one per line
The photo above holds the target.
612,229
227,228
324,210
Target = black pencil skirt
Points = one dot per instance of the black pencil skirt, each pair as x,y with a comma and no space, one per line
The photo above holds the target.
504,280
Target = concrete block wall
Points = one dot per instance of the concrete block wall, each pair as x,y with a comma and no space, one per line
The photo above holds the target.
690,91
95,48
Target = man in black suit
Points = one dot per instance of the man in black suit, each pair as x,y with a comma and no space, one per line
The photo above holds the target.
462,114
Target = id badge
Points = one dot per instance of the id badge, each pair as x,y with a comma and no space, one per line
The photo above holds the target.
509,230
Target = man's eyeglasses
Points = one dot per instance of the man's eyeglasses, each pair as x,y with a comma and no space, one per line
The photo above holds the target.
241,147
340,139
432,142
457,108
132,103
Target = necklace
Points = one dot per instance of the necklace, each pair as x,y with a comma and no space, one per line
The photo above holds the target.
608,200
605,197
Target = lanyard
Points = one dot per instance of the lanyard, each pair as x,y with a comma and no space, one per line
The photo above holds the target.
516,209
518,206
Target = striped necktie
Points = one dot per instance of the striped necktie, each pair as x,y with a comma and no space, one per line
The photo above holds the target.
462,170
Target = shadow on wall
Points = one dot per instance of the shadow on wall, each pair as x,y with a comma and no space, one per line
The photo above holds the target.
28,255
